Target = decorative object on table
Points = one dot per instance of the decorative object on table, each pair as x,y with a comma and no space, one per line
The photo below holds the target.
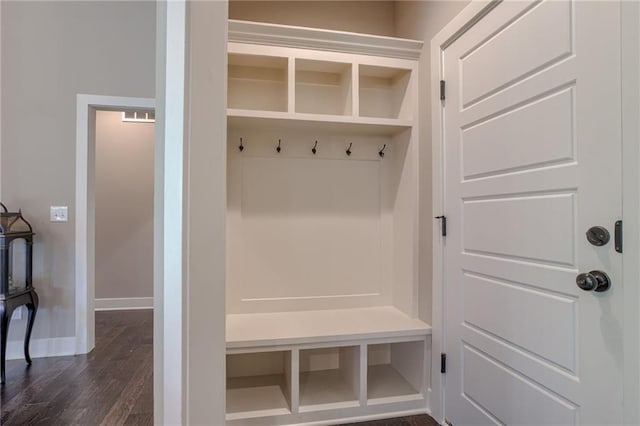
16,286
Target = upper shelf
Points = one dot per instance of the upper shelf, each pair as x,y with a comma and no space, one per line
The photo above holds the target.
282,328
339,124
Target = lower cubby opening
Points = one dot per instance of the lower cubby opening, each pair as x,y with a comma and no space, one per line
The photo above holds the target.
329,378
258,384
395,372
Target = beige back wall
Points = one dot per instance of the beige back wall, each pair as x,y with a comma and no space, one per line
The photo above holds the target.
369,17
124,207
51,51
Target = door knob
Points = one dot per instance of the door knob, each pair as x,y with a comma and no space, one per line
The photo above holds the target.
593,281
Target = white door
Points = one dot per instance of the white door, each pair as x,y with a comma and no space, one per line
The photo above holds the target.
532,146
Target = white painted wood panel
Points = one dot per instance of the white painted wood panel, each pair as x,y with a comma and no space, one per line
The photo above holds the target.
385,383
552,278
256,364
310,229
385,92
257,82
256,397
338,325
489,65
524,143
539,322
539,228
258,384
532,148
509,397
329,377
323,87
408,360
315,123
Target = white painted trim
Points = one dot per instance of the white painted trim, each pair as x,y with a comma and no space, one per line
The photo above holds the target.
170,392
42,348
120,304
365,418
453,30
84,245
630,31
321,39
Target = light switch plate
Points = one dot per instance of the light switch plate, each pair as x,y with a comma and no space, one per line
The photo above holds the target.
59,213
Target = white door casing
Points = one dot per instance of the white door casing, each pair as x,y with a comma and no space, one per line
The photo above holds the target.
532,149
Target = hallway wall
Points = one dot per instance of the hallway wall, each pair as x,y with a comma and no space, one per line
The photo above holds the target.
124,207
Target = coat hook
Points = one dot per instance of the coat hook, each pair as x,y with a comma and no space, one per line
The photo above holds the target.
381,152
349,149
314,150
241,147
278,148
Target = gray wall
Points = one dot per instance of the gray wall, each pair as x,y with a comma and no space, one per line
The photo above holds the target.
422,20
52,51
369,17
124,207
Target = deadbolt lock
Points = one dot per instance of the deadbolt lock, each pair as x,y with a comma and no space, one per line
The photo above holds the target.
598,235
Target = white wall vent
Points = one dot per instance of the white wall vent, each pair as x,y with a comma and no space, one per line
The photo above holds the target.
139,116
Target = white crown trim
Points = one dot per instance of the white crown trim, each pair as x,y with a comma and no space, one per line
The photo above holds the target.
320,39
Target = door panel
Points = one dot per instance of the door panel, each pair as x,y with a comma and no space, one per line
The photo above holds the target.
525,144
518,314
532,151
489,66
538,228
516,399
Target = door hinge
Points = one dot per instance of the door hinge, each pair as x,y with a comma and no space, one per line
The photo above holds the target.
442,90
443,363
618,236
443,225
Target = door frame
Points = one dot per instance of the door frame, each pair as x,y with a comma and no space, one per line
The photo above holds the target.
86,107
630,37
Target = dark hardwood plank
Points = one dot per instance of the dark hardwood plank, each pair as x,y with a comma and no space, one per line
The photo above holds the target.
422,420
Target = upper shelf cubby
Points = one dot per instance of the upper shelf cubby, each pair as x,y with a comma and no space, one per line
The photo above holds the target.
323,87
257,82
287,76
384,92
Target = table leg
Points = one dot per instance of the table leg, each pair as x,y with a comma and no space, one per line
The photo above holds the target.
4,330
32,308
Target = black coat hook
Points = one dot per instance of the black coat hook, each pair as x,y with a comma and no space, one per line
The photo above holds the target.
314,150
381,152
278,149
241,147
349,149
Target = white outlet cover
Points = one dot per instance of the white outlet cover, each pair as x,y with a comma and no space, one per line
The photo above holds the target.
59,213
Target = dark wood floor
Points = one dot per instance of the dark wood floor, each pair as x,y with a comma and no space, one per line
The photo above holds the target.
113,385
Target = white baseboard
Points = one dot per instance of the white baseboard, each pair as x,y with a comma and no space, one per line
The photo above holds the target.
128,303
42,348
